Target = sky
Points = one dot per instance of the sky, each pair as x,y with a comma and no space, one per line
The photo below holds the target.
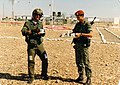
98,8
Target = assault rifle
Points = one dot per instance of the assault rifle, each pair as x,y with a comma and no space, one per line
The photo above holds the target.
92,22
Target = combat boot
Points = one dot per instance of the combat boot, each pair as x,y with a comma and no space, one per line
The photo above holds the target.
30,80
88,82
79,79
44,76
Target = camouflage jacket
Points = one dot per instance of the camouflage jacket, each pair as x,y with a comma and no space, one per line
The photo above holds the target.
35,28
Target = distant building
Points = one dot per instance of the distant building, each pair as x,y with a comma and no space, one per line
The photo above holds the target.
101,19
23,17
89,19
117,20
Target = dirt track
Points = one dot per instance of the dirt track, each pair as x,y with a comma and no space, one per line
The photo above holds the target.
109,37
105,59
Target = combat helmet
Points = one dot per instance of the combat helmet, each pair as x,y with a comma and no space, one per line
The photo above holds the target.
37,11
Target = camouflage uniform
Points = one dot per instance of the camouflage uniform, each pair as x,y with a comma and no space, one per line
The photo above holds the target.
81,48
35,46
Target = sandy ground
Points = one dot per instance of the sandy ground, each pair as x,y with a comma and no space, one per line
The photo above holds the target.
104,58
116,31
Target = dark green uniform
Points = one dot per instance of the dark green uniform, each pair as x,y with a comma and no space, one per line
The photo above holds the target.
81,48
35,46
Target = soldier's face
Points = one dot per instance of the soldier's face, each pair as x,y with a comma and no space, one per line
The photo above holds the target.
80,18
37,17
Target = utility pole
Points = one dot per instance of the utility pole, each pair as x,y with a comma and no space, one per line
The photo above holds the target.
12,1
52,12
12,8
3,10
49,9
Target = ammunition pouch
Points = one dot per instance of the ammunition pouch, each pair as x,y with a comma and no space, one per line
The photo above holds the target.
33,42
34,39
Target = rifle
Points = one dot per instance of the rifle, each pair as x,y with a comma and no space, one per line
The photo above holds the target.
93,21
74,39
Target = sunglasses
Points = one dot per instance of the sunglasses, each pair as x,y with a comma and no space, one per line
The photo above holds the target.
38,15
80,15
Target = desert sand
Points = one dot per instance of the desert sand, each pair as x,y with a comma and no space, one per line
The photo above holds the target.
62,69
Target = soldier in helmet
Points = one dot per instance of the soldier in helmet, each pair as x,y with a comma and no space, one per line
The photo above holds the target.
83,33
33,32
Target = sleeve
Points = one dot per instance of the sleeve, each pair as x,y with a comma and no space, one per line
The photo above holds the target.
89,28
42,29
74,30
24,29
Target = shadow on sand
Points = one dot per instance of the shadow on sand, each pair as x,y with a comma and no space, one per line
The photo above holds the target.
25,77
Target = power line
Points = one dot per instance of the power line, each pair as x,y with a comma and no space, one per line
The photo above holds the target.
119,1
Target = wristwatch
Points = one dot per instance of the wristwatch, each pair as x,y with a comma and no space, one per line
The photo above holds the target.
81,34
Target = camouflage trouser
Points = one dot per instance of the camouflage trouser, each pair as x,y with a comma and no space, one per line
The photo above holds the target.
32,51
82,60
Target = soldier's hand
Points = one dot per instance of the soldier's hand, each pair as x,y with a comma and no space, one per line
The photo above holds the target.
29,32
77,35
38,33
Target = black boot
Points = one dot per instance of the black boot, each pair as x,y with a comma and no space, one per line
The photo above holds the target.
44,66
79,79
88,82
44,76
30,80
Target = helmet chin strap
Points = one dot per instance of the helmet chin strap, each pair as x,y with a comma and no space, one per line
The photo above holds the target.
35,20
